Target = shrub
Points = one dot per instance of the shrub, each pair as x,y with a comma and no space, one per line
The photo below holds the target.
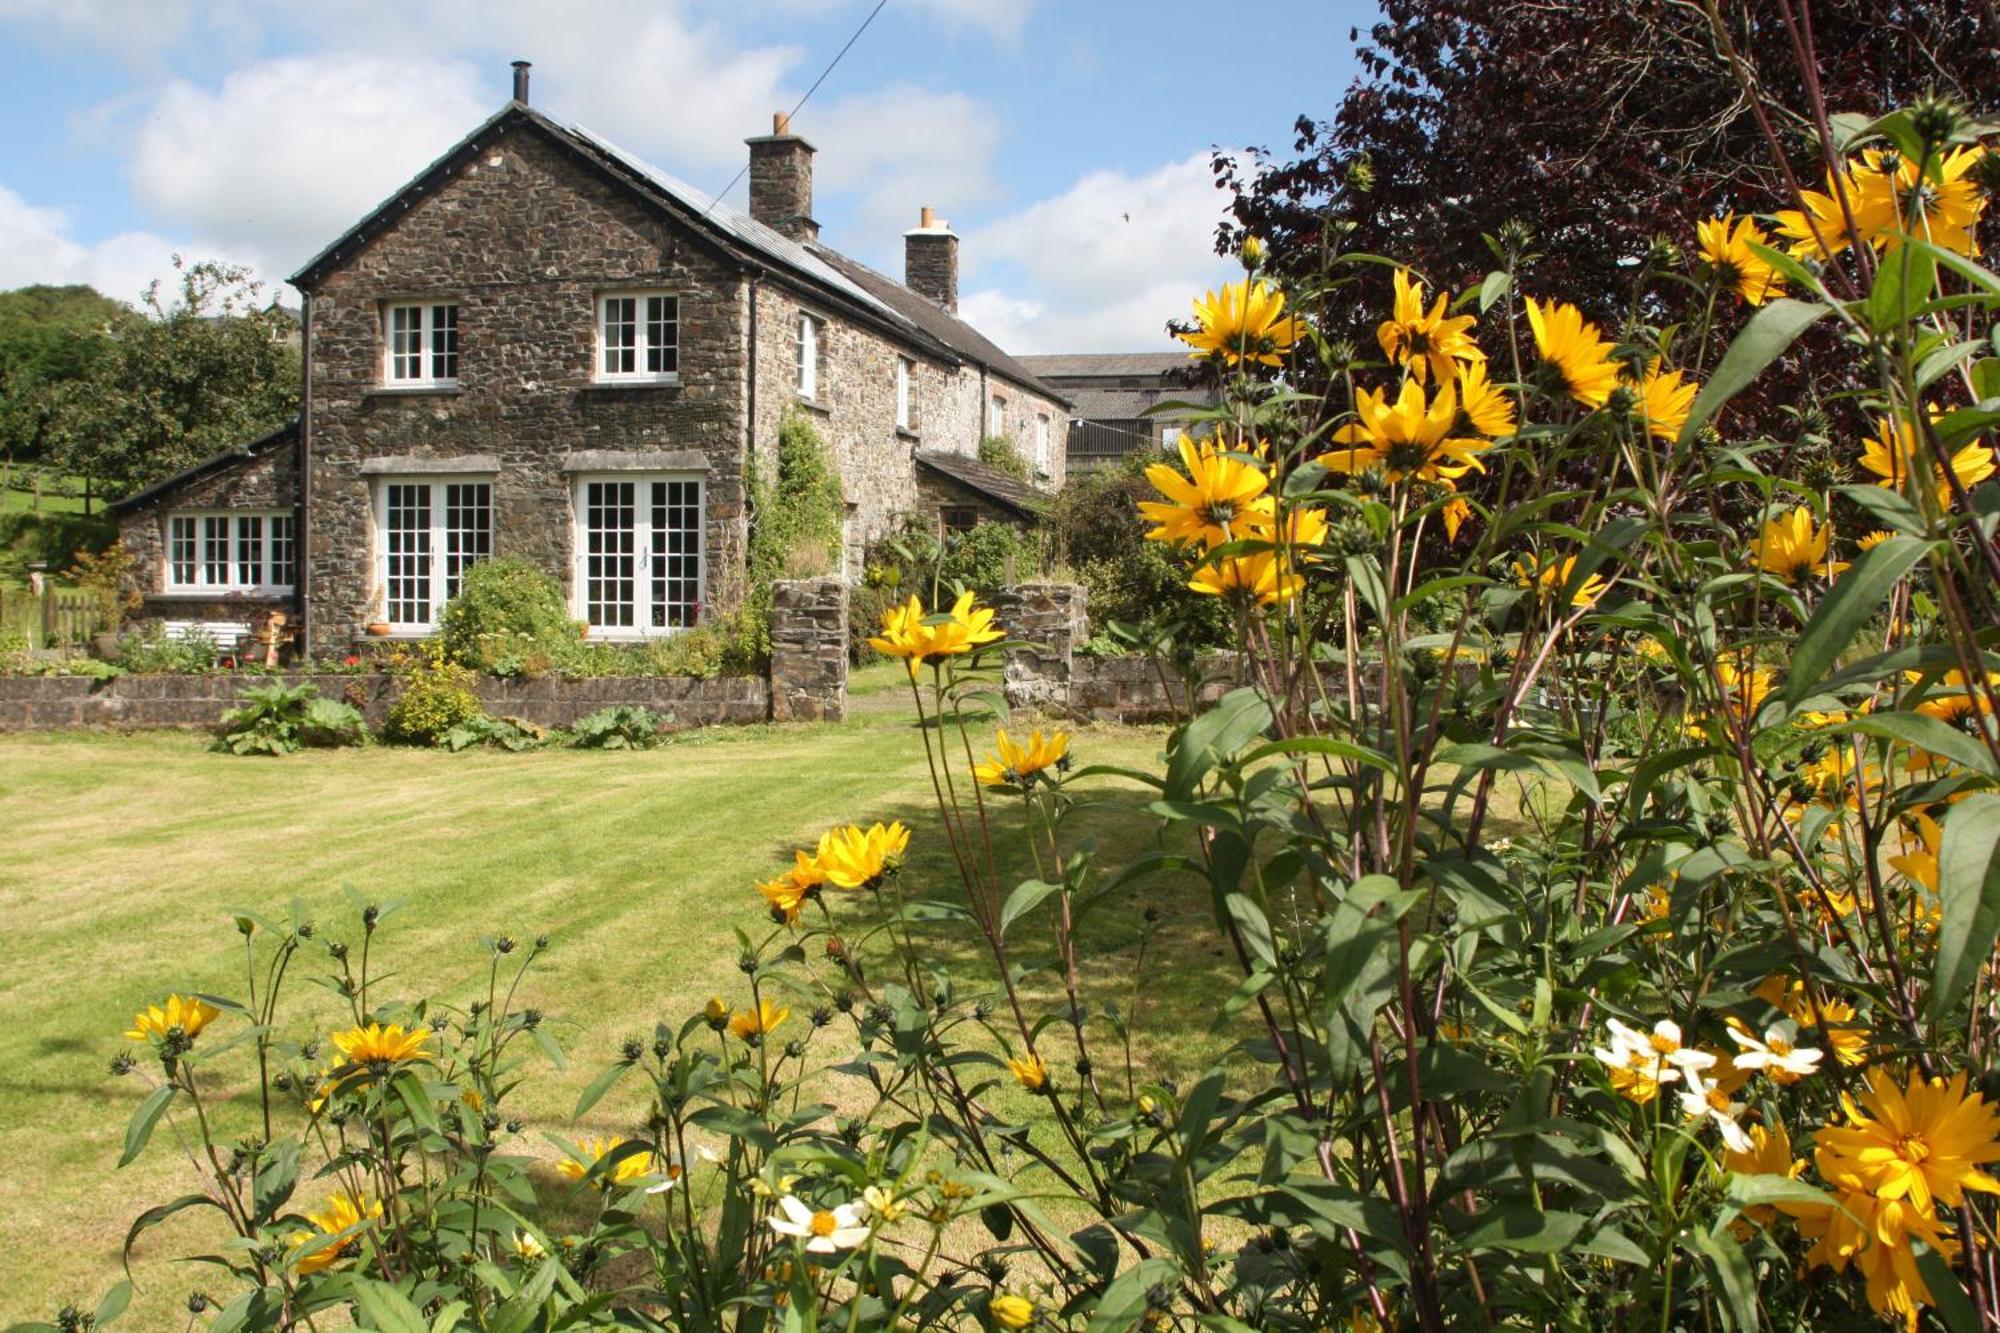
512,734
508,619
999,451
103,575
152,652
280,719
620,727
797,513
438,696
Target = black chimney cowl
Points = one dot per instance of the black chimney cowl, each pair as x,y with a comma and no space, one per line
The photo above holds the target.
521,68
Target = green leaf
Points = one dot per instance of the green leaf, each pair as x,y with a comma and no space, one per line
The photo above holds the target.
1027,895
1947,1292
599,1086
159,1213
1732,1275
1925,733
1747,1191
1210,739
1854,597
144,1119
1253,928
1123,1304
1492,289
383,1309
113,1304
1969,886
1903,281
1763,340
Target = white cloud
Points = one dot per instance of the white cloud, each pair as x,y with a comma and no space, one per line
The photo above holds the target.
135,31
1111,260
900,149
1001,19
286,154
37,246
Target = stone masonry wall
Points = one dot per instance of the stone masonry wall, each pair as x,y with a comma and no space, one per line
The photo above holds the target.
1050,675
523,240
809,650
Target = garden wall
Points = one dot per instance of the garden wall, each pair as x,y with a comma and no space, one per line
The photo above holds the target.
808,682
1048,673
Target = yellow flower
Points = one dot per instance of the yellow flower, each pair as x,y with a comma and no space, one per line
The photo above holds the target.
971,626
1873,539
1769,1154
853,858
1427,343
1891,455
1266,577
340,1212
1664,400
1893,198
1924,1141
1211,503
188,1015
1455,512
527,1248
1030,1072
1018,764
882,1203
752,1023
1550,577
593,1150
1575,349
1012,1311
1744,689
716,1011
1794,549
1486,405
1409,438
908,633
1833,1023
1874,1234
1724,245
1244,322
378,1045
789,890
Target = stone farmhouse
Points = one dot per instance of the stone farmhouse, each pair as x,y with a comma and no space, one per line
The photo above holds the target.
543,346
1122,402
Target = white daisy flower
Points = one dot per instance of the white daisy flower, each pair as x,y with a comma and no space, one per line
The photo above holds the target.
1778,1054
1701,1099
825,1231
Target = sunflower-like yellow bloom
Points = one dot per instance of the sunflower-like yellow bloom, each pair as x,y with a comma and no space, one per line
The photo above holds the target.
788,891
1010,1311
1875,1235
593,1150
855,858
1030,1072
1769,1154
1210,503
186,1014
753,1023
1266,577
1924,1141
1244,322
1816,231
1664,400
1794,548
1744,690
1724,245
1426,342
339,1212
1873,539
1942,205
1455,512
1408,439
1550,577
1017,764
1486,405
1576,349
376,1044
1891,455
908,633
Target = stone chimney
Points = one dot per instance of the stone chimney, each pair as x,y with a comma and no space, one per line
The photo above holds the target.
930,260
521,68
781,181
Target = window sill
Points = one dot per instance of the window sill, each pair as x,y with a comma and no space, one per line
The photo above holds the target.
905,433
812,405
270,595
617,386
628,637
400,634
450,390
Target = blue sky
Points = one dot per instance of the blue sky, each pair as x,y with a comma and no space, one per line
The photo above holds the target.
1066,140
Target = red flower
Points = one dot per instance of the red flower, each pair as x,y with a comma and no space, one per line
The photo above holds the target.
354,659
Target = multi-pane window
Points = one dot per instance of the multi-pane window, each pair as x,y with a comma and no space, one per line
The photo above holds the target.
234,552
902,393
422,344
953,519
996,416
639,554
638,336
808,366
429,533
1042,442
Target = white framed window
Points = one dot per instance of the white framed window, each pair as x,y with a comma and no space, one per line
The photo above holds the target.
638,553
902,393
232,552
996,416
639,337
1170,437
1042,443
421,343
808,360
428,532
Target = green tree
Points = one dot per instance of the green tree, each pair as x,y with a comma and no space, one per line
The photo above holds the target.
184,380
49,336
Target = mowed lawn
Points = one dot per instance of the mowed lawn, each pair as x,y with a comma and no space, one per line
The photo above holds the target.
121,858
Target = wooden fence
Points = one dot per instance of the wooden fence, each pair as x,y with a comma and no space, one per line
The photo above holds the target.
58,618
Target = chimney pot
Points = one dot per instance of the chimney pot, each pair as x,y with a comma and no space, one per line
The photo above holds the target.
521,68
929,218
781,123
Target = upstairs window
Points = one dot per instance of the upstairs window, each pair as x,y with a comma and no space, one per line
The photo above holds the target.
422,345
808,367
428,533
902,393
639,337
1042,443
234,552
996,416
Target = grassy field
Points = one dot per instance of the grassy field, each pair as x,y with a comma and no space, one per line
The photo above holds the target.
123,855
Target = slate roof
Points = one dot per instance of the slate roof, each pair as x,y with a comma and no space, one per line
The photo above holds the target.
1003,488
876,299
242,453
1128,404
1078,365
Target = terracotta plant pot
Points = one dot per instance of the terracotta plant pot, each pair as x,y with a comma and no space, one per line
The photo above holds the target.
380,629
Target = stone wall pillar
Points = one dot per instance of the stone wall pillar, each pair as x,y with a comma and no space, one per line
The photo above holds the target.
808,650
1052,620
